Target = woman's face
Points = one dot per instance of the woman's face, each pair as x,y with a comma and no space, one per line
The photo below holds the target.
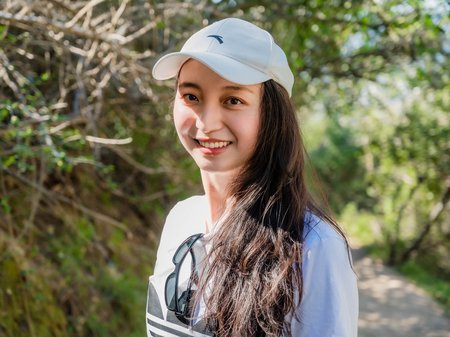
216,120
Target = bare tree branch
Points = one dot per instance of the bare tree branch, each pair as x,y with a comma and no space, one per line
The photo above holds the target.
41,23
137,165
82,12
435,213
99,216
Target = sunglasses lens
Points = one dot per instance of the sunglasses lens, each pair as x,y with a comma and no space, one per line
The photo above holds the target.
170,292
184,301
181,252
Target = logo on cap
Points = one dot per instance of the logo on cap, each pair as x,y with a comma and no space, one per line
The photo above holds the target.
217,37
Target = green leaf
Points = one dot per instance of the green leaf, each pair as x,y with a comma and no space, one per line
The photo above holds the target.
4,203
8,161
45,76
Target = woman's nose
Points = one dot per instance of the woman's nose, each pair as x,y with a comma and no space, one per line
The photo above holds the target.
209,119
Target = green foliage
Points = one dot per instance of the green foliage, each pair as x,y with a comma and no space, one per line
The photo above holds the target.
81,280
337,151
360,226
411,165
432,283
27,297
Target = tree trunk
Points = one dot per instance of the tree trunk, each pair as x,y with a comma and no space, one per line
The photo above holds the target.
437,210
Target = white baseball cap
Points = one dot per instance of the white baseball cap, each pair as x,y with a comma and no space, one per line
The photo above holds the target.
236,50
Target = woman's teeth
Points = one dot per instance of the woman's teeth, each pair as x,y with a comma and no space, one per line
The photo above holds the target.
213,145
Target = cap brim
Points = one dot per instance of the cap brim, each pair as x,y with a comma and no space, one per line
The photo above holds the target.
169,66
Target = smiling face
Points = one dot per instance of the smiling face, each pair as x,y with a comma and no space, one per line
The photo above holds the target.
216,120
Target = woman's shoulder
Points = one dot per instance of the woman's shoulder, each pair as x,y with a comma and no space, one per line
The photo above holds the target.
187,212
187,217
318,231
329,283
195,203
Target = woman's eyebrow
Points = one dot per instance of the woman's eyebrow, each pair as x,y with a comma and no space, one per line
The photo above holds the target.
187,85
238,88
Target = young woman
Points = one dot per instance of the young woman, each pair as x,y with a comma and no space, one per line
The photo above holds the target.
255,255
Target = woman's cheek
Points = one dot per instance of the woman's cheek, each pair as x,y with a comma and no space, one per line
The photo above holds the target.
182,121
178,116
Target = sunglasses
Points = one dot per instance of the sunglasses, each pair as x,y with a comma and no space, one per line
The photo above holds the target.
176,301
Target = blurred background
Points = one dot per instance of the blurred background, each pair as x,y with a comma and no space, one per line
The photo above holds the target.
90,163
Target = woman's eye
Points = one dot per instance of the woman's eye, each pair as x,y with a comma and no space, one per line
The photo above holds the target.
233,101
190,97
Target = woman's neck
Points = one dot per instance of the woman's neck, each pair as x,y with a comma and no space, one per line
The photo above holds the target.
216,186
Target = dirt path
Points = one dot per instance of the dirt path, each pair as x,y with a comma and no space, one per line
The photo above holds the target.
391,306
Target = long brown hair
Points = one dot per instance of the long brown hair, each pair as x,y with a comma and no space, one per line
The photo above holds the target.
254,277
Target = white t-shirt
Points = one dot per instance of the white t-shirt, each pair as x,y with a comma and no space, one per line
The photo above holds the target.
329,306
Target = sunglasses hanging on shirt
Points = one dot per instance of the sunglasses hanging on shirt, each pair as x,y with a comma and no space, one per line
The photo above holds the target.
178,301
